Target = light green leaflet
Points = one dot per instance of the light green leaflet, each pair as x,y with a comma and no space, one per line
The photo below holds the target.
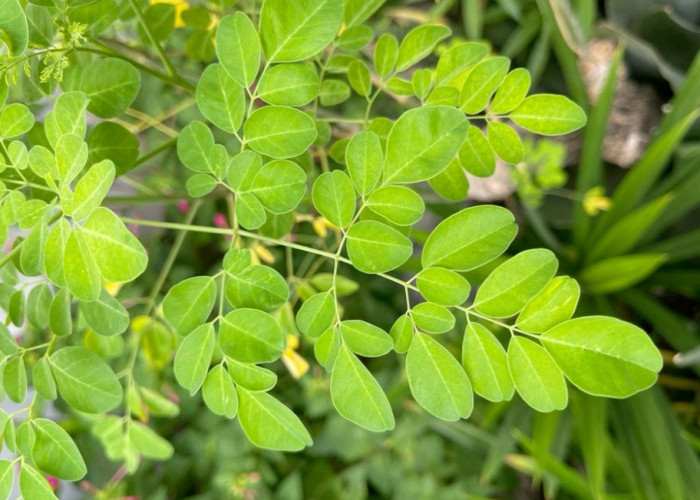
189,303
365,339
326,348
38,303
43,381
85,381
250,213
270,424
289,85
219,393
333,92
386,51
200,185
316,314
117,252
476,155
279,185
374,247
537,378
238,48
242,170
399,204
292,31
548,114
512,284
443,286
149,444
604,356
60,316
553,305
55,453
92,188
355,38
437,381
618,273
357,11
481,83
432,318
359,78
80,269
194,145
422,81
455,61
334,197
470,238
259,287
343,285
357,395
364,158
221,99
67,117
484,360
106,315
111,85
251,377
15,120
505,142
419,43
32,484
7,476
71,156
279,131
511,92
111,141
193,357
13,27
422,142
53,251
443,96
402,333
251,336
14,379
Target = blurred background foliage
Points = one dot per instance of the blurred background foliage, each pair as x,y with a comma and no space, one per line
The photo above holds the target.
617,202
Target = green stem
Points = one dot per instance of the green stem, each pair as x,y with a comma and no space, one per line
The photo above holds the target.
154,41
152,153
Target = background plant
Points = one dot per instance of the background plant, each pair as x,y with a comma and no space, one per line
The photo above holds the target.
333,177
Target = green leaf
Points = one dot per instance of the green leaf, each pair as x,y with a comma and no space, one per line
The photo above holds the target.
280,185
105,315
221,99
511,92
80,269
555,304
485,362
118,253
364,158
357,396
333,92
54,251
55,453
316,314
200,185
334,197
422,142
14,31
14,378
386,51
111,85
548,114
38,303
86,382
422,81
457,60
419,44
251,336
17,307
505,141
92,188
355,38
481,83
189,303
432,318
42,161
326,348
250,213
618,273
289,85
512,284
60,319
251,377
160,19
359,78
537,378
402,332
269,424
451,183
476,155
148,443
7,478
365,339
259,287
279,131
193,358
399,204
295,31
68,117
71,156
238,48
15,120
358,11
33,485
604,356
43,381
242,170
470,238
443,286
374,247
32,254
111,141
194,145
437,381
219,393
343,286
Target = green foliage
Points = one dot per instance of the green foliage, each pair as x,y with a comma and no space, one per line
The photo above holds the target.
308,197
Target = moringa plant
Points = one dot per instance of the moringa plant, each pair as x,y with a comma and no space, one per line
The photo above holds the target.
273,145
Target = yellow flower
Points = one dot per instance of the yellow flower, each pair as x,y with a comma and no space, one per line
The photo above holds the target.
321,226
180,7
113,288
594,201
292,360
264,254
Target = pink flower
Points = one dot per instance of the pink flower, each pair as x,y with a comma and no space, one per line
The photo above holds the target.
220,220
183,206
53,482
